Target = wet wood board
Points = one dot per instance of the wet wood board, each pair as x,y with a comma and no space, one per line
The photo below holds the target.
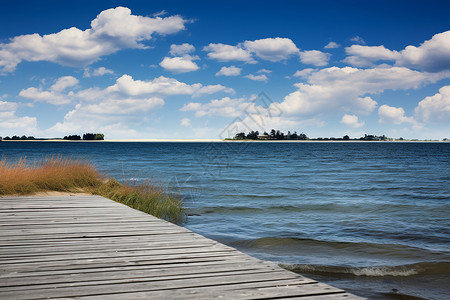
90,247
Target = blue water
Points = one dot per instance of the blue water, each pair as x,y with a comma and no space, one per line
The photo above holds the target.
367,217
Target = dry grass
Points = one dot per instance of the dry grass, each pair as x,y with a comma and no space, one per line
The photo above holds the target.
68,175
50,174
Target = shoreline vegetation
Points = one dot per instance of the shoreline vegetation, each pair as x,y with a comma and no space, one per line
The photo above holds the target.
252,136
58,174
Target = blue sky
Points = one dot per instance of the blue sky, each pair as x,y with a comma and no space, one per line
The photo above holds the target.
196,69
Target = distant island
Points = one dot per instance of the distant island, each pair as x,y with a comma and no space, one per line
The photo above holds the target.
86,137
277,135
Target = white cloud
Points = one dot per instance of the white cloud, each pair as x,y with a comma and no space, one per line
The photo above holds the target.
10,121
224,53
363,56
304,73
345,89
119,106
111,31
182,49
264,71
435,108
225,107
431,56
185,122
332,45
64,82
393,115
314,57
8,106
163,86
97,72
180,64
212,89
229,71
55,94
358,40
272,49
351,121
262,77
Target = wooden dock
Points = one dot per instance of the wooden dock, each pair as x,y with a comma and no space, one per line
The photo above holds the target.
92,247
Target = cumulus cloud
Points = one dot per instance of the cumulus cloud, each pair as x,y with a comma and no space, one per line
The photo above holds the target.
112,30
225,53
97,72
435,108
303,73
314,57
163,86
180,64
272,49
345,89
229,71
225,107
431,56
182,49
10,121
122,106
53,95
352,121
331,45
253,77
364,56
393,115
264,71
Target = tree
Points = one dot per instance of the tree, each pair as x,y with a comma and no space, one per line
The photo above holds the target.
252,135
273,133
239,136
72,137
93,137
302,136
346,138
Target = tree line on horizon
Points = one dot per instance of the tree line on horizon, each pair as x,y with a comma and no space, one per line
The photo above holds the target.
86,137
273,135
279,135
75,137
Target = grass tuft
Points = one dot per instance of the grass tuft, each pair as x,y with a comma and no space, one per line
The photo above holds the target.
67,175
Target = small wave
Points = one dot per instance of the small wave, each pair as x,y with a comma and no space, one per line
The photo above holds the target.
296,247
428,268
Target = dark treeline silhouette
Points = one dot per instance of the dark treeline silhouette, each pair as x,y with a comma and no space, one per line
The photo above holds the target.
86,137
75,137
278,135
273,135
93,137
72,137
19,138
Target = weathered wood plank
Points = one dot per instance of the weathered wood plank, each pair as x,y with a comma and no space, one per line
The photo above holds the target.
315,291
91,247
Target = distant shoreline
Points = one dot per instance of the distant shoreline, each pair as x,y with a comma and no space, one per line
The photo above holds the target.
226,141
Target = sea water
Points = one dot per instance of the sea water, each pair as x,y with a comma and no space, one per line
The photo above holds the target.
369,217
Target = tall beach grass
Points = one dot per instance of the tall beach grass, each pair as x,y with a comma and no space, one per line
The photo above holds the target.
71,175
